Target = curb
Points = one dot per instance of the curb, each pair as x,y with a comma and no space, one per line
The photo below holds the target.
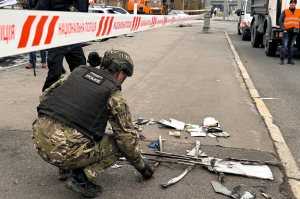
289,164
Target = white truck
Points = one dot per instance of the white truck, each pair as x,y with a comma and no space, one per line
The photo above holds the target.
265,30
245,19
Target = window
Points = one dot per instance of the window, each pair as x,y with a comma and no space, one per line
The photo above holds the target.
155,4
120,10
110,11
97,11
248,9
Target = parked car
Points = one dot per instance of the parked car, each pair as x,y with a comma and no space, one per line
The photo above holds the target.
245,19
100,9
177,12
119,10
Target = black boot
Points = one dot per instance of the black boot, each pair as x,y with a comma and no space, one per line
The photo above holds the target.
79,183
281,62
291,62
64,174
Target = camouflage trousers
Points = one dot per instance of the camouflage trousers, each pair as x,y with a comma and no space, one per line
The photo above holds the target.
66,148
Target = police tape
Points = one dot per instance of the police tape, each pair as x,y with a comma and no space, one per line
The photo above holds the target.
24,31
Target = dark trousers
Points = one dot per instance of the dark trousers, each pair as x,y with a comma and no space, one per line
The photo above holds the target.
74,56
288,41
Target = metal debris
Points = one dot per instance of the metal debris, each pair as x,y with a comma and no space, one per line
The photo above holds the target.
140,121
122,158
220,188
151,122
174,124
174,180
268,196
237,193
115,166
129,35
196,131
240,193
220,165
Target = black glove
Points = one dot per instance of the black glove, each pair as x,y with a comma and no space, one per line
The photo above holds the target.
146,171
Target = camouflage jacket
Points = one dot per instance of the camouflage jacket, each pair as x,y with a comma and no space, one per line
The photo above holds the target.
120,119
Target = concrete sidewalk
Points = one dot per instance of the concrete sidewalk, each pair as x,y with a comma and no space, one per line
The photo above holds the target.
180,73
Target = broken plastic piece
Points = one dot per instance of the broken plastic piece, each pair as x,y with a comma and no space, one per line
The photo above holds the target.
240,193
140,121
211,125
237,193
129,35
203,155
115,166
221,134
193,151
174,133
268,196
220,188
150,122
153,144
195,130
210,121
174,123
220,165
142,137
211,135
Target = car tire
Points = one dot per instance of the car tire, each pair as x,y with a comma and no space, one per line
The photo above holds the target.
270,47
256,37
244,37
238,29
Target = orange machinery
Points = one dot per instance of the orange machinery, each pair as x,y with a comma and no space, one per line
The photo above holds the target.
153,7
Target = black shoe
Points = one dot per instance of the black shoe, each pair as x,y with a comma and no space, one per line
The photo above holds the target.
291,62
64,174
79,183
281,63
63,71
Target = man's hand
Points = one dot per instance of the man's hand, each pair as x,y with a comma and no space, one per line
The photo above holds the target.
146,171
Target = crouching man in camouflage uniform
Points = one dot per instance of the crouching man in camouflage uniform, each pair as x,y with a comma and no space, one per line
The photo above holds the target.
72,117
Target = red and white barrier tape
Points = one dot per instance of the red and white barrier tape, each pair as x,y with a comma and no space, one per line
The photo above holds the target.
24,31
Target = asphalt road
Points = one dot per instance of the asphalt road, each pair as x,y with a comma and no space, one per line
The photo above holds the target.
278,85
180,73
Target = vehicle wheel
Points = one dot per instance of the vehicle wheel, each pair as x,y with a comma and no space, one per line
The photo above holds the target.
270,47
244,37
238,29
255,37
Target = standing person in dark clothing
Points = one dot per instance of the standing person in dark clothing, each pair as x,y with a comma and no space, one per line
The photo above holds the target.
73,53
289,23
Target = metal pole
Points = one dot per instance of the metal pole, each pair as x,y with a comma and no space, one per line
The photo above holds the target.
224,8
135,7
207,16
183,5
227,9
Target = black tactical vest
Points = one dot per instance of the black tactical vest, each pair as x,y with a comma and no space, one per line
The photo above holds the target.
81,102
